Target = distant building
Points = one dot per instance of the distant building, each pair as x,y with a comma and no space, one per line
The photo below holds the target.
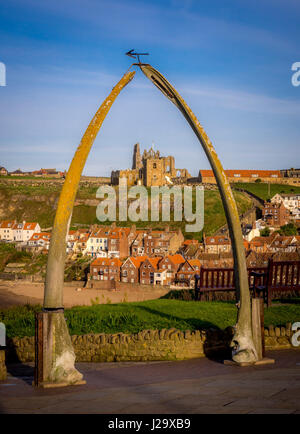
150,169
290,201
207,176
47,173
292,174
18,172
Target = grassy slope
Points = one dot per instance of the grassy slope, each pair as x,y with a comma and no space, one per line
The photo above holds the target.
33,264
261,189
29,203
153,314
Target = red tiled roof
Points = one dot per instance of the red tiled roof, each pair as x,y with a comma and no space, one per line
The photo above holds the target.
7,224
188,242
107,262
30,226
243,173
41,235
137,260
176,259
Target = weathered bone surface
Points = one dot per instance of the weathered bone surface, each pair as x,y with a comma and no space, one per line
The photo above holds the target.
243,350
62,368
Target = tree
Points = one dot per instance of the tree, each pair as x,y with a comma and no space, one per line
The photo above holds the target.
289,229
265,232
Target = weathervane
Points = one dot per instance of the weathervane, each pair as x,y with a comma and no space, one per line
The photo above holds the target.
134,55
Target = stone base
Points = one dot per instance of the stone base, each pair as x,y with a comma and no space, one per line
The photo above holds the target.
48,385
264,361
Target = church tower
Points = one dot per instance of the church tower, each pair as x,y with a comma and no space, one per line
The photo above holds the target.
137,160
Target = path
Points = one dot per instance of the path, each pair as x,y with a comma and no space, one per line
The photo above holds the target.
194,386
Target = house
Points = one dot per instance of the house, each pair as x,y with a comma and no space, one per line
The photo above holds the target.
29,229
117,242
71,239
41,239
216,260
150,273
130,269
260,244
250,231
171,264
47,173
161,243
136,245
290,201
18,232
7,230
106,269
284,244
216,244
18,172
188,270
275,214
97,243
80,244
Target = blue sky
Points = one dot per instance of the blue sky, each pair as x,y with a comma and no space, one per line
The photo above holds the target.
230,60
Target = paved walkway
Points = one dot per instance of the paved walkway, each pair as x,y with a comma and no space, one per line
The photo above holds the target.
194,386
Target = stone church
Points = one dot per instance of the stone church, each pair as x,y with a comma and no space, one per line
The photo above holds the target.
150,169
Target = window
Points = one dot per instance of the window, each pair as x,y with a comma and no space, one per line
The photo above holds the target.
154,165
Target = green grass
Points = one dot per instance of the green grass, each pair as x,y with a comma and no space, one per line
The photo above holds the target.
137,316
262,189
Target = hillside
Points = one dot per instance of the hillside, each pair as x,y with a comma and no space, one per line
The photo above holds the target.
29,202
262,189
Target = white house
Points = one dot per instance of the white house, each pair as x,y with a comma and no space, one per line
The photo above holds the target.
41,239
29,229
97,244
18,232
7,230
290,201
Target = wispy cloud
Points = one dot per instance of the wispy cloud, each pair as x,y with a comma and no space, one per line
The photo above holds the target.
245,101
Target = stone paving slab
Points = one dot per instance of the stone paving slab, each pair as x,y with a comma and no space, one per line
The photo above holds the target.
199,386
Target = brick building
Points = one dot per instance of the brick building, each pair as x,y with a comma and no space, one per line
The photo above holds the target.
150,274
217,244
275,214
171,264
188,270
106,269
130,270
